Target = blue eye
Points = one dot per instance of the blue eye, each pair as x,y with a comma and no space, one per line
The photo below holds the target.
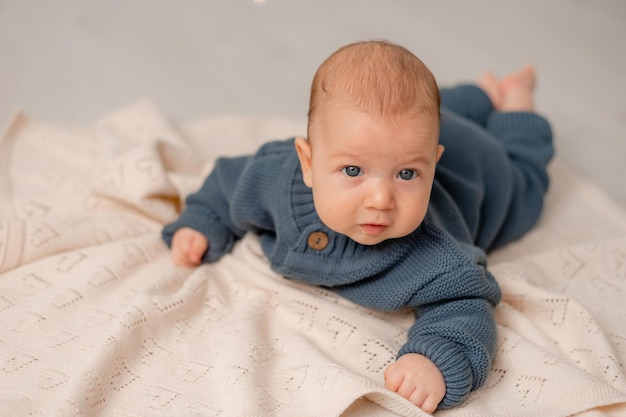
351,171
407,174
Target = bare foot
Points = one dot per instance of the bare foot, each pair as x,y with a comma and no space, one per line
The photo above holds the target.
517,90
513,93
491,86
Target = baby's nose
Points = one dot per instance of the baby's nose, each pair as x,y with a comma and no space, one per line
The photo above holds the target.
380,196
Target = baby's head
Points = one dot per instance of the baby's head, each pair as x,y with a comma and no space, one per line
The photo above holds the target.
380,78
372,141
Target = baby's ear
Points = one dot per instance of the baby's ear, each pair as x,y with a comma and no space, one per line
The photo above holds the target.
303,148
440,150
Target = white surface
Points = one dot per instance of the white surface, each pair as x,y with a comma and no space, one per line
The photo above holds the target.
72,61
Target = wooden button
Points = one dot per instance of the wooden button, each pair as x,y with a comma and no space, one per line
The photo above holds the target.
318,240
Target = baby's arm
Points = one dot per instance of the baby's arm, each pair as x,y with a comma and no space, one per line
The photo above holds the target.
207,215
188,247
238,196
454,328
417,379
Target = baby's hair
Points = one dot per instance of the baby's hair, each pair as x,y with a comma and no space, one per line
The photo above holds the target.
378,77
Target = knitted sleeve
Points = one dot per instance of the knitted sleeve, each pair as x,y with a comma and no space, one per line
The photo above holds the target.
235,198
455,325
452,293
208,209
459,336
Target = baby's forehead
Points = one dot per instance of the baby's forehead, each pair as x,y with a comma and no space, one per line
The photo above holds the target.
337,112
344,130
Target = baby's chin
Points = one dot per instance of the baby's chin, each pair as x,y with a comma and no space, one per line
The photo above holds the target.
367,242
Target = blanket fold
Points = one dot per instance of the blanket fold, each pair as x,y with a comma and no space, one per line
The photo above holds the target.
95,319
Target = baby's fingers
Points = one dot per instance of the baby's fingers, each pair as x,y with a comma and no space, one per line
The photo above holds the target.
196,247
181,258
393,377
188,247
417,394
430,403
418,380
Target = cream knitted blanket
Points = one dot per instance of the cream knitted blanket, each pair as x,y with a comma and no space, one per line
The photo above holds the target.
96,321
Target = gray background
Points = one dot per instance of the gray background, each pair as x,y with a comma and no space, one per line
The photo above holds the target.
70,61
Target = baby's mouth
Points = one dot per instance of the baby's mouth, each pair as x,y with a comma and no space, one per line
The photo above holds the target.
372,229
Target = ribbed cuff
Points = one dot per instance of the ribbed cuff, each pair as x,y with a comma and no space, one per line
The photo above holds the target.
501,124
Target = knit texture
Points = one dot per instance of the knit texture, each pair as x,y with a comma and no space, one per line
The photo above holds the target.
488,191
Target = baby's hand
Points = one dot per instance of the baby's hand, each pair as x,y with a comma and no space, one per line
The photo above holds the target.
417,379
188,247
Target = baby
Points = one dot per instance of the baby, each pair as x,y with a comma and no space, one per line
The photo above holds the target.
371,206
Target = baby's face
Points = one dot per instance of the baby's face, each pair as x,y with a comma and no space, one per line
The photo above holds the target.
371,179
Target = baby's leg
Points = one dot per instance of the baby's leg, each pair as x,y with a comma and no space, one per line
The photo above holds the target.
468,101
476,102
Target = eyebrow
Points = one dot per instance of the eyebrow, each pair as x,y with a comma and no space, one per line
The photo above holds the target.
421,159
